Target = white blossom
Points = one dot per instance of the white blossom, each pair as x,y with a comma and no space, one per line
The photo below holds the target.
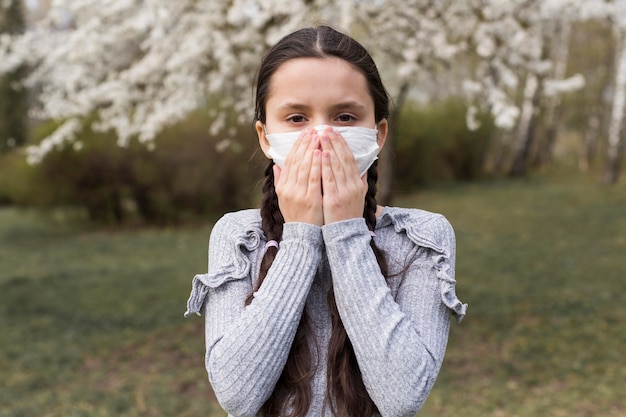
486,47
554,87
471,88
471,121
141,65
65,133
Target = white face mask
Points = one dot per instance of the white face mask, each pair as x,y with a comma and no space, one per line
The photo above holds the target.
361,141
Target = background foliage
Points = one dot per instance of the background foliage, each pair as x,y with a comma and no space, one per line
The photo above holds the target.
188,175
434,144
91,320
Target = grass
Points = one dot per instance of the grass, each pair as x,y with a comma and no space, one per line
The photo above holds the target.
91,320
541,264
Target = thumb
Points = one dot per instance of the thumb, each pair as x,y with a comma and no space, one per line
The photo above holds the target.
277,171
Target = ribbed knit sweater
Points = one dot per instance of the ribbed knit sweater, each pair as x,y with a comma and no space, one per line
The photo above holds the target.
398,326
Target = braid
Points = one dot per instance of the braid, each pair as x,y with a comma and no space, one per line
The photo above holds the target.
345,388
369,209
271,220
294,382
369,213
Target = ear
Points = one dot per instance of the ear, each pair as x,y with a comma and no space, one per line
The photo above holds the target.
263,142
381,137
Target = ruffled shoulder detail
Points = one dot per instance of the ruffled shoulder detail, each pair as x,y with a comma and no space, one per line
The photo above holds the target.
446,285
433,231
232,238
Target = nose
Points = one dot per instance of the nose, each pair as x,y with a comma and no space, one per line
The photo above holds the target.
321,124
323,130
321,120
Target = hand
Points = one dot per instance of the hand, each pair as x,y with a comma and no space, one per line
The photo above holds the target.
299,184
343,188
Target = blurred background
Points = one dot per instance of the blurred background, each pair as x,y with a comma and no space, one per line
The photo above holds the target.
126,130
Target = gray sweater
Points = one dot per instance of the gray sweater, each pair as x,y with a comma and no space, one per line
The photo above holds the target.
398,327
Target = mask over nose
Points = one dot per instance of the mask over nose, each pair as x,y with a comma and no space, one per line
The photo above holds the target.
361,141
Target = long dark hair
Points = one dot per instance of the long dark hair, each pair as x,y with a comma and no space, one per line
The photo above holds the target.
346,393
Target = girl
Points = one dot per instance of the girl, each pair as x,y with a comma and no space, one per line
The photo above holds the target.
323,303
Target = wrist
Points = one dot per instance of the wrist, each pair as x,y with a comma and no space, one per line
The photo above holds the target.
345,229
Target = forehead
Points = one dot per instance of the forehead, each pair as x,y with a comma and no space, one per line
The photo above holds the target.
318,80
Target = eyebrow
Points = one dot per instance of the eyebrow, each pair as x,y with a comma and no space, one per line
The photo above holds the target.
349,105
339,106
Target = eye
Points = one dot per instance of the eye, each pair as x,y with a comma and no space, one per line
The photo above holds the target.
296,118
346,118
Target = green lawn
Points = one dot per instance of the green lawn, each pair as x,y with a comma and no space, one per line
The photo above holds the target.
91,321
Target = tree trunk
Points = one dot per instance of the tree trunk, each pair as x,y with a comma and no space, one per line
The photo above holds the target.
615,139
599,114
590,139
386,156
500,151
13,96
526,127
560,49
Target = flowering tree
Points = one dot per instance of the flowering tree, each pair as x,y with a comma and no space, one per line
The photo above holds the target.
142,65
616,126
13,97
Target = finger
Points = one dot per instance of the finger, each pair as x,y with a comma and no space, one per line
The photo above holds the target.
306,161
314,188
328,145
295,156
364,181
277,172
344,155
298,147
329,184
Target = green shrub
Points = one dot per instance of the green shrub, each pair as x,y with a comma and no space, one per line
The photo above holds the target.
434,144
21,183
188,175
191,174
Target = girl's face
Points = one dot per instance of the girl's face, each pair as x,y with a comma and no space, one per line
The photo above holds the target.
307,92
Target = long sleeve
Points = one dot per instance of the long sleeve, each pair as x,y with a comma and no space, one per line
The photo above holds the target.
399,342
247,346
